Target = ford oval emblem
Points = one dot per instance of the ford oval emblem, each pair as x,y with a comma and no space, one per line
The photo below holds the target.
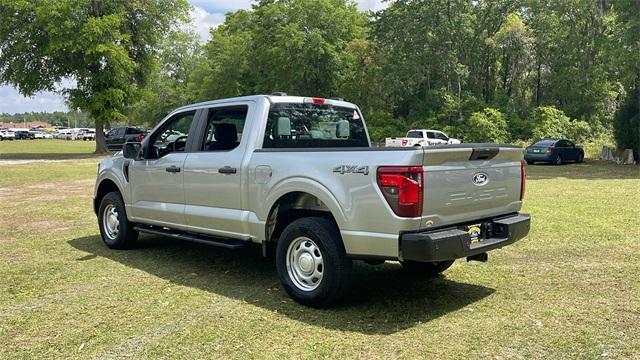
480,178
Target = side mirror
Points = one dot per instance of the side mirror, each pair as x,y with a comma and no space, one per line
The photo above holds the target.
343,131
131,150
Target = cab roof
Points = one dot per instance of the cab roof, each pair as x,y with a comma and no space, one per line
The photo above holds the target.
271,98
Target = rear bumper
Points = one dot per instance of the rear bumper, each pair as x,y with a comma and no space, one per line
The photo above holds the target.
539,157
454,242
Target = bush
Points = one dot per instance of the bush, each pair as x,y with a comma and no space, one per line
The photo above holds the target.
549,122
488,125
626,124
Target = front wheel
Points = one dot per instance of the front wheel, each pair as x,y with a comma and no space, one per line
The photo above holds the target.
116,230
312,264
558,160
426,269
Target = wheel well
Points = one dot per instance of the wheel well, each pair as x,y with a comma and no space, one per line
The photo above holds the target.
293,206
105,187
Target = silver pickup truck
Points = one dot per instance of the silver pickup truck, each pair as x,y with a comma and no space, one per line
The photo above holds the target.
299,175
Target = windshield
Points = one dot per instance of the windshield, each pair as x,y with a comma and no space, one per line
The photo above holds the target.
414,134
295,125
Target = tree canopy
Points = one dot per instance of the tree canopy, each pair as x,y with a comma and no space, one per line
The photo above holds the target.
512,70
105,46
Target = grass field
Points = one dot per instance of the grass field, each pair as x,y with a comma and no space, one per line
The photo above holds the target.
570,289
50,149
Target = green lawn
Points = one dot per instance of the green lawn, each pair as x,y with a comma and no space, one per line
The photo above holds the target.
571,289
51,149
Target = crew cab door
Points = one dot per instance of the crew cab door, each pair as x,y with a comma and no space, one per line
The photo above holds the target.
214,174
156,181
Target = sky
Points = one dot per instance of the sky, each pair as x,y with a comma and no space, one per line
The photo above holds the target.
205,14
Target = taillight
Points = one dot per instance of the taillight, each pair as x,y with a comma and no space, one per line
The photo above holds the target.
404,142
319,101
140,138
402,187
523,179
550,149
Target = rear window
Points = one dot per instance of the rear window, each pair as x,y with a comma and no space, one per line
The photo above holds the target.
295,125
545,143
414,134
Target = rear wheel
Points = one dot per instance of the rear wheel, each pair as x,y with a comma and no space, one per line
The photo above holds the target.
312,263
426,269
116,230
580,158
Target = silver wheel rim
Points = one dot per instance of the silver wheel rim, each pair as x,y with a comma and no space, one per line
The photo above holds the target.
305,264
110,221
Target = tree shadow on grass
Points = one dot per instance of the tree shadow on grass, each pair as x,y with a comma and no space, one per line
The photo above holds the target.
588,170
47,156
382,300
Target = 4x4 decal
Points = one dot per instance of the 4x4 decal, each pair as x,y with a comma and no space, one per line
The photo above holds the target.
351,169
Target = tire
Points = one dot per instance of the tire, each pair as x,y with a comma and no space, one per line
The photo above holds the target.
530,162
426,269
313,243
116,230
559,160
580,158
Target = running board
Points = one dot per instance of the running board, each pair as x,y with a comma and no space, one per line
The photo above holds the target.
202,239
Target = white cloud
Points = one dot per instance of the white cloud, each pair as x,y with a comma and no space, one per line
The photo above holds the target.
374,5
11,101
202,21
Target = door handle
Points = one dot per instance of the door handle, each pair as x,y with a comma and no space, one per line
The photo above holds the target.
227,170
173,169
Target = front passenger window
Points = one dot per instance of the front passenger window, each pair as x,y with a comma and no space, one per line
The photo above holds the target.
172,137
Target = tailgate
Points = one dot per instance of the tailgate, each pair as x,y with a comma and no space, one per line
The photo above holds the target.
468,182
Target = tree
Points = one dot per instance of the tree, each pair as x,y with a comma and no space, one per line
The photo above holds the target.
178,55
627,124
297,46
106,46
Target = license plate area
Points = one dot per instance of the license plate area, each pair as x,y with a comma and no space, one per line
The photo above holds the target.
475,232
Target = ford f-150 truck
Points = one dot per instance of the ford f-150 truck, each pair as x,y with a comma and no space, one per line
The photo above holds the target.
298,175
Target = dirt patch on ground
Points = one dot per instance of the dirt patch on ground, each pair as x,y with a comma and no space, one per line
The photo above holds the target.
48,191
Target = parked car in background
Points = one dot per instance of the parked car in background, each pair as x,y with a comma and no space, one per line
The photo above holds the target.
38,134
64,134
24,135
88,134
116,137
555,151
7,134
421,138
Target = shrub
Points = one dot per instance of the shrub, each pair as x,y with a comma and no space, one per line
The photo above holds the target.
549,122
488,125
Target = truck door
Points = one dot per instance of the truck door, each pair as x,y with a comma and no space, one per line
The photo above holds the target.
214,175
156,182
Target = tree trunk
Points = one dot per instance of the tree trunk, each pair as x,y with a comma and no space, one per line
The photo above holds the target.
101,142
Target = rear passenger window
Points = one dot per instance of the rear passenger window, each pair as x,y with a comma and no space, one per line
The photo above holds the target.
224,128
